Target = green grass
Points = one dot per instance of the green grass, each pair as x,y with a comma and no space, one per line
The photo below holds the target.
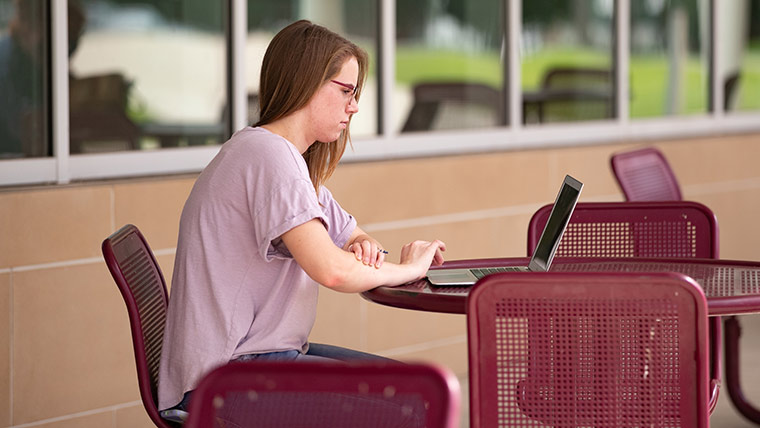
534,67
649,74
423,65
749,82
649,83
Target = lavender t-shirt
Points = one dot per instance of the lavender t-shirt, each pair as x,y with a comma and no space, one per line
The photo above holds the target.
236,289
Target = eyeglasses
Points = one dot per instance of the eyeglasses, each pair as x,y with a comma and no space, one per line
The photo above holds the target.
348,86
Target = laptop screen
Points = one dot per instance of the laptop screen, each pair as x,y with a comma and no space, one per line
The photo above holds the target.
555,226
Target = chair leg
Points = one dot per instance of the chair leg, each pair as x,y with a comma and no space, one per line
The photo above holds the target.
733,384
715,361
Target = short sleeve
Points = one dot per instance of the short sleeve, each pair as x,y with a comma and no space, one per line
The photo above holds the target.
288,206
340,223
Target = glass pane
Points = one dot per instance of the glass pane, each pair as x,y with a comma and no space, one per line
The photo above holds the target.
740,35
355,20
669,57
567,56
24,79
449,73
147,74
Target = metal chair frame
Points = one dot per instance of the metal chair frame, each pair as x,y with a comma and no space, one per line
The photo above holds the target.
641,229
645,175
587,349
141,283
291,394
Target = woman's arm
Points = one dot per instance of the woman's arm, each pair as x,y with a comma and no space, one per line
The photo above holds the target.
339,270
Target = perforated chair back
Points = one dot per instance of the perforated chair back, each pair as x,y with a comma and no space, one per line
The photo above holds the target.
645,175
668,229
596,349
141,283
634,229
307,394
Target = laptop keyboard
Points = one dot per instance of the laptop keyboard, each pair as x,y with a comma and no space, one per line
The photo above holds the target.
480,273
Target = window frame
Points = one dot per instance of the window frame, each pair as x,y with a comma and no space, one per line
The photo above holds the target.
389,144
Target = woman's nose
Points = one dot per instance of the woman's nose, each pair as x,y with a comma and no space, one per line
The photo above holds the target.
353,106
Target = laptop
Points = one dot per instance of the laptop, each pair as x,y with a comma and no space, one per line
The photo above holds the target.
542,255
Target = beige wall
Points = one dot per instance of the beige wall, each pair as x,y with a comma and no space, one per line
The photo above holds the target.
68,359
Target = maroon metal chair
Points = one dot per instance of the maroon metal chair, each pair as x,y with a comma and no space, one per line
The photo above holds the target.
645,175
549,349
141,283
641,229
316,394
633,229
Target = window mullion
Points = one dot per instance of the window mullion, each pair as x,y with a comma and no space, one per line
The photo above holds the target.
238,96
514,29
387,67
59,47
717,73
622,24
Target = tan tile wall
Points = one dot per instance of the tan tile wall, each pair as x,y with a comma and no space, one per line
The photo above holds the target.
5,348
67,357
53,225
68,332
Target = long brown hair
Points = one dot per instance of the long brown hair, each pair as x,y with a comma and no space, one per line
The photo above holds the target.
299,60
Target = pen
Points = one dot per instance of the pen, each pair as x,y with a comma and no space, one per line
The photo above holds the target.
383,251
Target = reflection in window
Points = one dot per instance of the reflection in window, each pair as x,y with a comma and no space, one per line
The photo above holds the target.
24,79
449,74
355,19
566,60
147,74
669,60
740,35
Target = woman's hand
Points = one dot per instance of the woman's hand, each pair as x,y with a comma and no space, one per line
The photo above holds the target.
423,254
367,251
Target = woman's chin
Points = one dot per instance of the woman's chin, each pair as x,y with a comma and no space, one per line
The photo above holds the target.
330,139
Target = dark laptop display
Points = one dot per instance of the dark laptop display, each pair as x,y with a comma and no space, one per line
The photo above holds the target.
542,257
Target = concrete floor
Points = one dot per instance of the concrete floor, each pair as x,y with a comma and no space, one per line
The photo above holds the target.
725,415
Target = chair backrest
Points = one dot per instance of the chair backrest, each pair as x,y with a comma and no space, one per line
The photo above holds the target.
578,78
576,93
645,175
304,394
587,349
98,114
634,229
141,283
454,105
730,88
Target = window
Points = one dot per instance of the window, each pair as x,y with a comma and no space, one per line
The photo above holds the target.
670,61
147,74
148,87
449,72
24,79
566,60
740,46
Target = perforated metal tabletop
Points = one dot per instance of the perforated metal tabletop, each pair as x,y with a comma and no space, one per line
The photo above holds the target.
731,286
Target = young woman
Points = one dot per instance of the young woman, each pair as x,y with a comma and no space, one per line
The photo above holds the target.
259,231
